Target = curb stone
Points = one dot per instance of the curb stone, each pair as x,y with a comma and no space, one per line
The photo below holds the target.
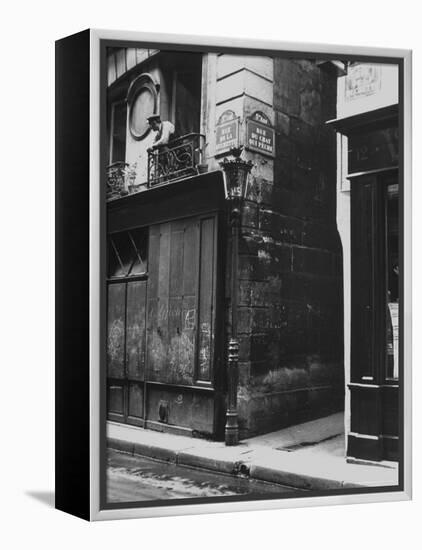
187,457
291,479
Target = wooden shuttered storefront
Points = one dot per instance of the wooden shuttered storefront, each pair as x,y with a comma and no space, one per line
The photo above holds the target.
181,295
161,327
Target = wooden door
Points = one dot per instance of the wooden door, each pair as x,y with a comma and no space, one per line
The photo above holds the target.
181,296
181,326
368,279
126,325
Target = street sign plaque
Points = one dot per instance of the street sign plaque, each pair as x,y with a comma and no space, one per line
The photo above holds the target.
260,135
227,132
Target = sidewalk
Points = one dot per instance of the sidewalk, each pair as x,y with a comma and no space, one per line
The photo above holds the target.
307,456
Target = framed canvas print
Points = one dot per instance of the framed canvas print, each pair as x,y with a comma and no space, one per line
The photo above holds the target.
233,274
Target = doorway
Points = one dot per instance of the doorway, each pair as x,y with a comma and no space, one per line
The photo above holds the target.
374,316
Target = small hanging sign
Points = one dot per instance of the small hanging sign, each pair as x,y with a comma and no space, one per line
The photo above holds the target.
260,135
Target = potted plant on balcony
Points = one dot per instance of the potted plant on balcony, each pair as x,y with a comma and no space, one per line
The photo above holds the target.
116,175
131,177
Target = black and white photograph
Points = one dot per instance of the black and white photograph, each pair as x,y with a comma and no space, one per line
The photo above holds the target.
252,274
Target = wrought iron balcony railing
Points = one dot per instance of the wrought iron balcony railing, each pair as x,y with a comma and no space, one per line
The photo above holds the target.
180,158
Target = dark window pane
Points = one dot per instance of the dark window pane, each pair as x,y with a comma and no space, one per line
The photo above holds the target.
121,248
119,132
139,242
114,264
127,253
392,222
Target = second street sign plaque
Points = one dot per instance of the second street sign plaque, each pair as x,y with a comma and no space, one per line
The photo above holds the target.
227,132
260,135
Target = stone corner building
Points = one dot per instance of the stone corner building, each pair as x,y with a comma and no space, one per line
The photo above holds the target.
168,289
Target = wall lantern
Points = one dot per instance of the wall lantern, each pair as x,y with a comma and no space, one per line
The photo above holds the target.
236,172
236,179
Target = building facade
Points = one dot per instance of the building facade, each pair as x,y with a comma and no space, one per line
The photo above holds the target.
368,221
169,245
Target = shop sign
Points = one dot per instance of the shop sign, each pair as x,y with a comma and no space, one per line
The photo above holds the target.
227,132
260,135
362,80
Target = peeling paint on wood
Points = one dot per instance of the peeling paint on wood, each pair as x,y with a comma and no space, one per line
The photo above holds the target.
181,281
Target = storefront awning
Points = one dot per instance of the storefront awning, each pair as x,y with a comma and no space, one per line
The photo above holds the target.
350,124
187,197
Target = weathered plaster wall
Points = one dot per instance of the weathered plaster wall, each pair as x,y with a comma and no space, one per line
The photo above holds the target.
137,150
123,66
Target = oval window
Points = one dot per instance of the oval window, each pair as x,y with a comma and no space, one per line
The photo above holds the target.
142,100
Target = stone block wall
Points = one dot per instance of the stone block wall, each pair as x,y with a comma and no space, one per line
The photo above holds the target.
290,267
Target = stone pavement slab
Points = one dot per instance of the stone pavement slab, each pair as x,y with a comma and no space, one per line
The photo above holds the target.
317,471
306,433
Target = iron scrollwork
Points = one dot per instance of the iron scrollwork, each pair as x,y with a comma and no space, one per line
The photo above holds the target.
177,159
